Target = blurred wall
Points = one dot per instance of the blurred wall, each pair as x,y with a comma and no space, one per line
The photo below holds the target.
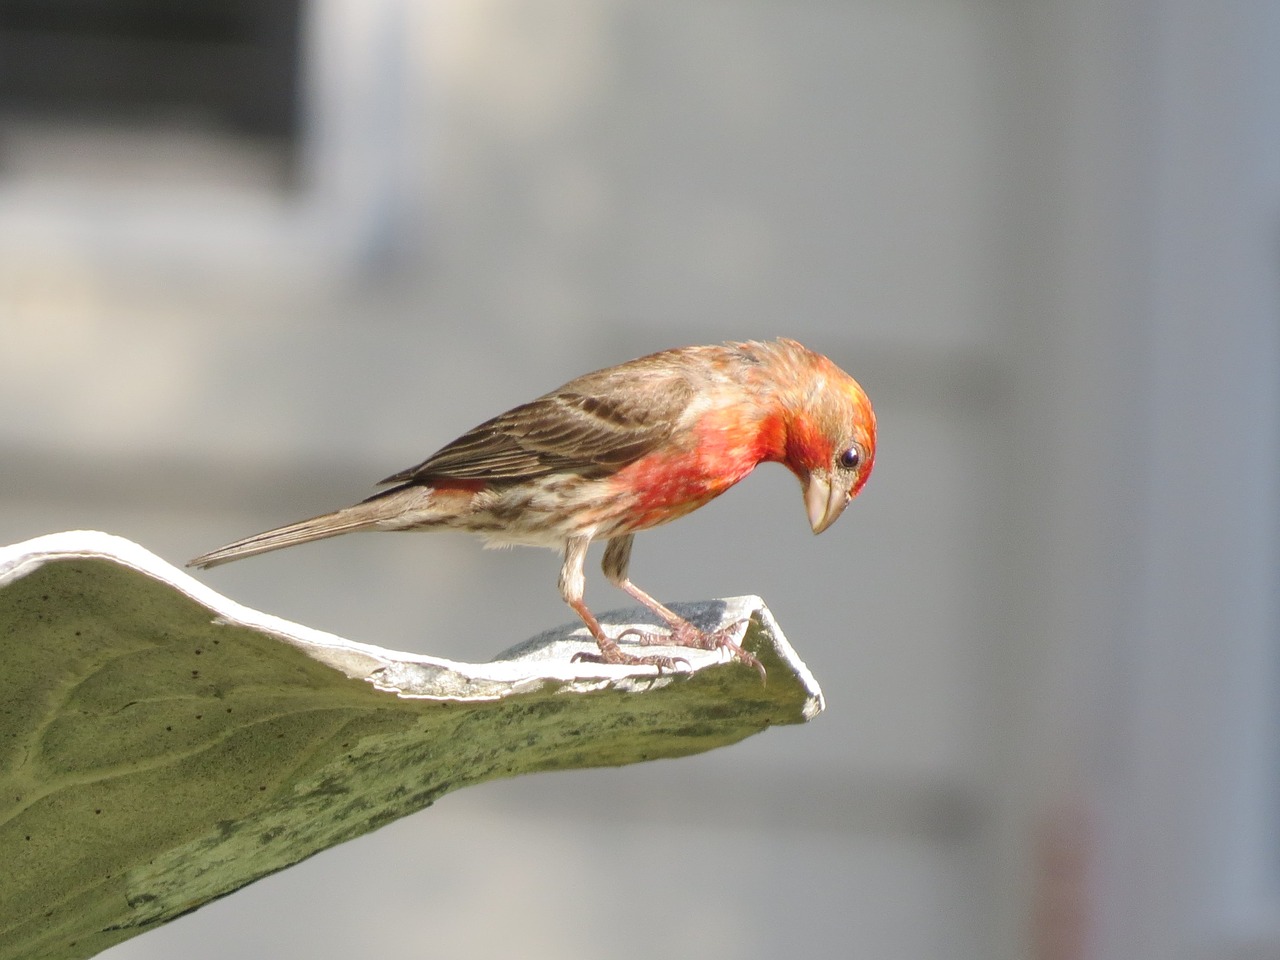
1042,236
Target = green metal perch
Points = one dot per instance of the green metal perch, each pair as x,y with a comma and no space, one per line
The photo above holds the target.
162,746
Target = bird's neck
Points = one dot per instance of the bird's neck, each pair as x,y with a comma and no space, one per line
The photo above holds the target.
785,431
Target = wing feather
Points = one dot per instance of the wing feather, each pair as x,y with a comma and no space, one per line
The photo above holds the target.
590,426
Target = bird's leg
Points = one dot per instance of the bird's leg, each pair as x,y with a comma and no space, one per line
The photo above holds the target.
617,558
572,588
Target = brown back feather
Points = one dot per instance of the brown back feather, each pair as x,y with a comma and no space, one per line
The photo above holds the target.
591,426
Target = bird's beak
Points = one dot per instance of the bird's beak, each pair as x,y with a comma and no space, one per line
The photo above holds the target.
824,502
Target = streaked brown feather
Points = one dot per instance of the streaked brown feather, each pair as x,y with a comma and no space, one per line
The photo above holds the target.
587,427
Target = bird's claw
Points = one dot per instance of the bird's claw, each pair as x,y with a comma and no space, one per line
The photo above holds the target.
613,655
685,634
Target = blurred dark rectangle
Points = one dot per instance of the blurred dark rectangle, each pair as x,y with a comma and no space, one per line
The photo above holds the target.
228,63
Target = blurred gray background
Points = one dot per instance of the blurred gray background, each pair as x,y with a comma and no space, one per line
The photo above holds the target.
238,289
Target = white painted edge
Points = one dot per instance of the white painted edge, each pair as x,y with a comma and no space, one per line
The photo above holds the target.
410,675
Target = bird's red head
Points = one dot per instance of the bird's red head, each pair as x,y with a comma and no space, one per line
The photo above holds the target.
830,433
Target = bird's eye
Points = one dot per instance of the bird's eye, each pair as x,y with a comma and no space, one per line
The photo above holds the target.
852,457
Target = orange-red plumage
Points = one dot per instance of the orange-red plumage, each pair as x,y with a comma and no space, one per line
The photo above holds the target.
623,449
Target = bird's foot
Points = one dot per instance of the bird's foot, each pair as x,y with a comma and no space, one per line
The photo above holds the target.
611,653
685,634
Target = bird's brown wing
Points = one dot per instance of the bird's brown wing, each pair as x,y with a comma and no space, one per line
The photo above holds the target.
586,427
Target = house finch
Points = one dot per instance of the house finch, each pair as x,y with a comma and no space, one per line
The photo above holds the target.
621,450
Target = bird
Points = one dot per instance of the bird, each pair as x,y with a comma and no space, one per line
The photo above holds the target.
618,451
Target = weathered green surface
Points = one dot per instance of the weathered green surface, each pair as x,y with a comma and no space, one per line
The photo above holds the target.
155,754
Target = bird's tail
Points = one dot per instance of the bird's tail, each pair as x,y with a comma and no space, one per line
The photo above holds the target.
381,511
